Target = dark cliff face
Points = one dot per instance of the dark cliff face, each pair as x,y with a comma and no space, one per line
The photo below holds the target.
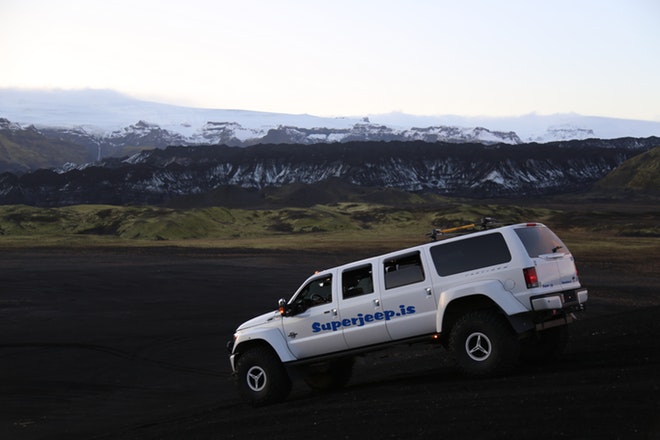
470,170
25,149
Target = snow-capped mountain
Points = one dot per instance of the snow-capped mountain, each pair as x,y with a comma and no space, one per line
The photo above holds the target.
110,120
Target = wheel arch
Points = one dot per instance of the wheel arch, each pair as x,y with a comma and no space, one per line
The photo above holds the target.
251,344
462,305
272,339
489,295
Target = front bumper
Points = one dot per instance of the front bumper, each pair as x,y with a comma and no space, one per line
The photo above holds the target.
232,355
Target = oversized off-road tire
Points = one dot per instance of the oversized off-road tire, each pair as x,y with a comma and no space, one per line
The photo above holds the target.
261,378
483,344
329,375
544,346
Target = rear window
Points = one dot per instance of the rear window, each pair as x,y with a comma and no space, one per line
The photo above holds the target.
469,254
540,241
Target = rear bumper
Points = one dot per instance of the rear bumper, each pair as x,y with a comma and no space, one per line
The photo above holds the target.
551,310
572,300
557,309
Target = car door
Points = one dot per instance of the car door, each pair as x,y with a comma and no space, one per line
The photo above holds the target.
363,320
314,324
407,295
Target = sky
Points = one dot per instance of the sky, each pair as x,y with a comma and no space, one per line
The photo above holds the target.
346,57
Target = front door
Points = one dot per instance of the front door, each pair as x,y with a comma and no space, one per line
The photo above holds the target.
315,325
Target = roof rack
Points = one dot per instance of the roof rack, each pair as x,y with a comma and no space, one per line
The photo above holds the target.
485,223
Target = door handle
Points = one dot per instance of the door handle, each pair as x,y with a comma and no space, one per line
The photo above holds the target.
377,302
429,292
334,312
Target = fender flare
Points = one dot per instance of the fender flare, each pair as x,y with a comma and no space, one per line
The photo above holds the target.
491,289
272,337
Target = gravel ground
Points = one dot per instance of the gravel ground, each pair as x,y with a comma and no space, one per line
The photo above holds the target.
130,344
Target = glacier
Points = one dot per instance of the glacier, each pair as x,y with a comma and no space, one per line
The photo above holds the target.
106,115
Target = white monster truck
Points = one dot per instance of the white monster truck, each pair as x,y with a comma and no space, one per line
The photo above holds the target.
491,297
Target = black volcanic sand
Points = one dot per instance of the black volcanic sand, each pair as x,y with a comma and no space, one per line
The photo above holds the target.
130,344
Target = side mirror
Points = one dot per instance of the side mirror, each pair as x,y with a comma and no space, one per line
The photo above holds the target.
282,306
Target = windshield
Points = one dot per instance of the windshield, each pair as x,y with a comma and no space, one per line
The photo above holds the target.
540,241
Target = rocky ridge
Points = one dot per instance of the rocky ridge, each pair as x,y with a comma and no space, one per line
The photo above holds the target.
468,170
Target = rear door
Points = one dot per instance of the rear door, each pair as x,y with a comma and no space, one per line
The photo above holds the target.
407,297
363,319
555,267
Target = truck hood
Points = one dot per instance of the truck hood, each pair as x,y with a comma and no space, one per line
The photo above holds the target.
261,319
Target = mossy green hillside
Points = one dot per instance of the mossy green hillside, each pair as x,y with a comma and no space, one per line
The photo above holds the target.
154,223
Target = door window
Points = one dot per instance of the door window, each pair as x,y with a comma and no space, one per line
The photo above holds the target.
403,270
358,281
316,292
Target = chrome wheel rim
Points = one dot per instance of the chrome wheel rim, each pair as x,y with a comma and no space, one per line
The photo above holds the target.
256,378
478,346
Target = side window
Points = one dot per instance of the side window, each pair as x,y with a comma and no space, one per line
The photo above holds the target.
317,291
469,254
357,281
403,270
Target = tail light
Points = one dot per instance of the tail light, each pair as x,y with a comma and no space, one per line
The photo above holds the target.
530,277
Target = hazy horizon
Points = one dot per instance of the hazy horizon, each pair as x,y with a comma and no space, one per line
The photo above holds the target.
471,58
